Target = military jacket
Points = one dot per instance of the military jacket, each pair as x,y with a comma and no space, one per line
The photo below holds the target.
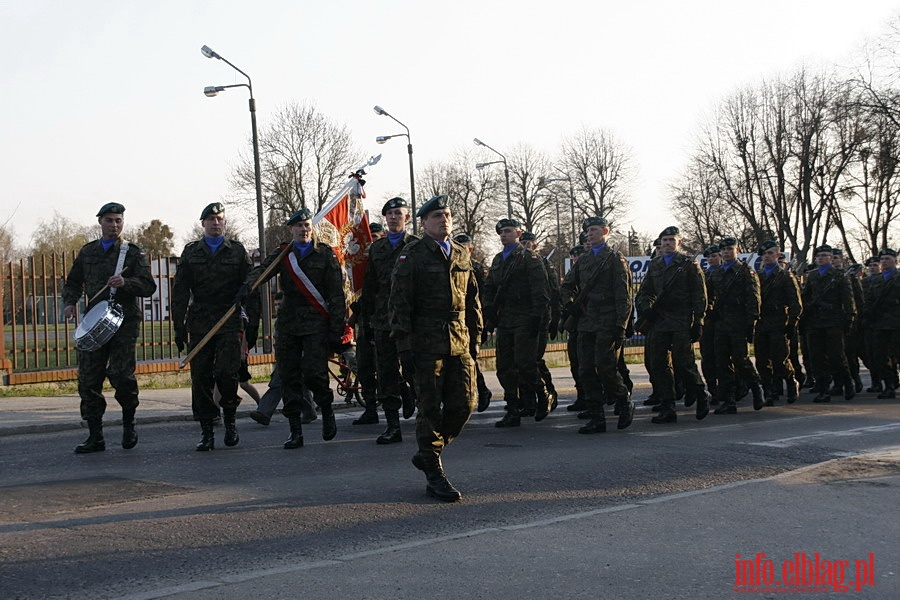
298,314
516,289
434,304
92,269
856,288
376,290
735,297
868,285
684,300
606,279
827,300
205,286
780,295
884,307
555,290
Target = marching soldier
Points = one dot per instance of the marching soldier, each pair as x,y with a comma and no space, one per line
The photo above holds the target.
434,313
376,293
113,263
597,291
708,339
516,297
779,313
210,272
484,393
852,339
310,323
885,321
735,301
529,240
671,308
580,404
868,284
828,310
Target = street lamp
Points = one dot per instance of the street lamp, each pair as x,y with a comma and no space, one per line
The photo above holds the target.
505,172
412,177
210,92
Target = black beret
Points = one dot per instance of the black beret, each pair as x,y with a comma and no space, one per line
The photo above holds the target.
301,215
873,260
888,252
111,207
710,250
215,208
582,238
727,241
579,249
528,237
766,245
376,227
463,238
670,230
590,221
507,223
393,203
435,203
837,252
823,248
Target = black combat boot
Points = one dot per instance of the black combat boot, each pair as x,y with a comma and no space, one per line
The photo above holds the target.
95,441
580,404
704,399
369,415
542,404
793,389
584,415
858,384
329,425
129,436
652,400
849,388
408,395
666,414
888,392
597,424
510,419
296,439
437,485
231,433
728,404
484,399
625,408
875,388
392,434
208,441
758,396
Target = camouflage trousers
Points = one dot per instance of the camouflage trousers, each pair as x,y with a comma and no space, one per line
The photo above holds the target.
670,355
598,360
447,396
827,358
390,378
303,361
772,358
216,365
116,361
517,353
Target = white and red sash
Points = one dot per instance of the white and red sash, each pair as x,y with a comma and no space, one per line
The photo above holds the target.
305,286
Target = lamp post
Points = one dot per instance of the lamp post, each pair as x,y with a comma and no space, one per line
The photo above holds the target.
211,92
505,172
412,177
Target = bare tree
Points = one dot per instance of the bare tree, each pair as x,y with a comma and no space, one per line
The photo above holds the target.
304,159
601,168
527,169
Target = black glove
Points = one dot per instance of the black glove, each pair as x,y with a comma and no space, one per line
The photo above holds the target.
553,328
751,328
241,295
179,341
696,332
534,326
618,336
407,364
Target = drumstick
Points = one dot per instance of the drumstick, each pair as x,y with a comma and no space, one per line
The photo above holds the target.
105,287
231,310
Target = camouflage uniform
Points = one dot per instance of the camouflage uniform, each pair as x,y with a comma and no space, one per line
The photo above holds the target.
116,360
434,312
885,324
305,336
205,285
708,341
869,356
853,340
601,324
668,343
828,309
516,297
551,321
736,300
778,316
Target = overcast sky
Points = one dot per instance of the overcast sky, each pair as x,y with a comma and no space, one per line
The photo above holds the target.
103,99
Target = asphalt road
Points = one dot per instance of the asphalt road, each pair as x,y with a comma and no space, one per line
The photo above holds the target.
649,512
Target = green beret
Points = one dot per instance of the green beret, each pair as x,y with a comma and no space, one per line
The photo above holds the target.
888,252
301,215
435,203
766,245
463,238
823,248
528,237
376,227
393,203
710,250
727,241
837,252
215,208
111,207
507,223
590,221
670,230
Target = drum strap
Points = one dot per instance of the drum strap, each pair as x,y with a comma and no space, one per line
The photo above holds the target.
123,250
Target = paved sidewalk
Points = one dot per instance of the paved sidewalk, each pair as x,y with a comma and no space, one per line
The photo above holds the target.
22,415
